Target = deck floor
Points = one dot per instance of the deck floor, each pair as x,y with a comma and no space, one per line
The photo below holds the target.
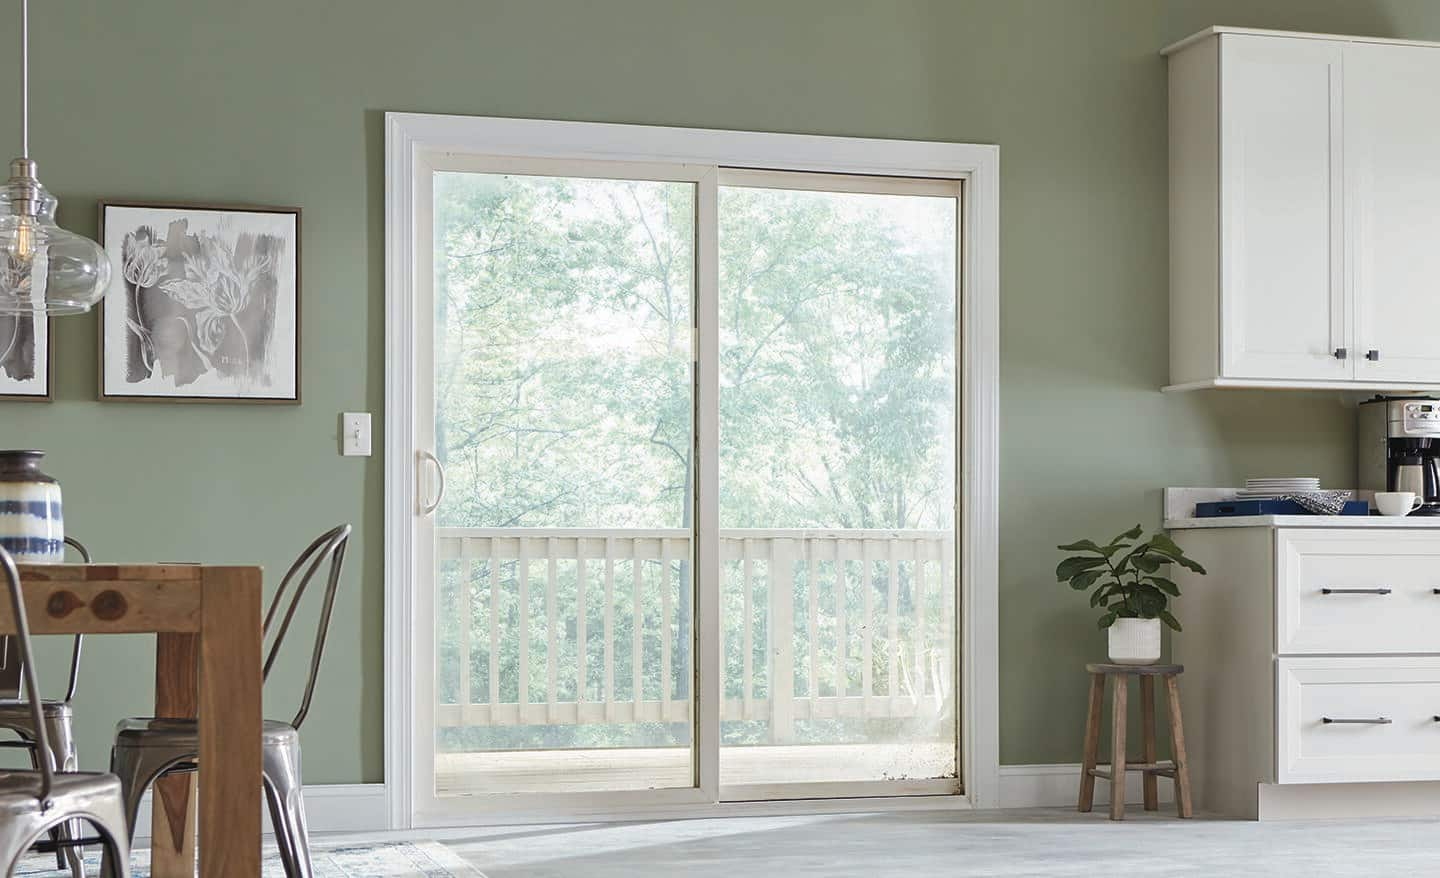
459,774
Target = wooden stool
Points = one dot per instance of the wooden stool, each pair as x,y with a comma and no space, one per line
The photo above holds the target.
1178,769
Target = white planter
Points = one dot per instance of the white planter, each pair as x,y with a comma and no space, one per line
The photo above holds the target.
1135,641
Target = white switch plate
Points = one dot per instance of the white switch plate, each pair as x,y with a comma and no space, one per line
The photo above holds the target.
355,434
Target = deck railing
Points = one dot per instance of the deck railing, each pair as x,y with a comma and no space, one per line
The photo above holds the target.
550,626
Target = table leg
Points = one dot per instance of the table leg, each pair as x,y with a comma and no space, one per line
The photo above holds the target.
172,841
230,722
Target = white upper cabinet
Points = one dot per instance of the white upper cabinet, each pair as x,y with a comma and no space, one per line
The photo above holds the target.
1304,212
1392,158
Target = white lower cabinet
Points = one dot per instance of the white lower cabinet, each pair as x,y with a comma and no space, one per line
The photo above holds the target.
1312,670
1351,720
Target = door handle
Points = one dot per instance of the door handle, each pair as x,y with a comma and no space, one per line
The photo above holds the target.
1372,355
1335,720
1356,591
429,508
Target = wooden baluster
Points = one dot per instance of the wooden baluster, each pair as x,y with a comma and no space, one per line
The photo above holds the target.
552,655
609,654
522,567
582,642
464,620
666,635
747,592
494,668
637,630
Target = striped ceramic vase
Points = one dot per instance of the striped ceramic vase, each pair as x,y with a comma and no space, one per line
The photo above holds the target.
31,527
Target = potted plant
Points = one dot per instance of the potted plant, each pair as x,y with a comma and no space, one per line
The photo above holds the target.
1124,576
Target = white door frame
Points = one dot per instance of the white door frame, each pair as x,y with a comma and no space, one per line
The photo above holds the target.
411,137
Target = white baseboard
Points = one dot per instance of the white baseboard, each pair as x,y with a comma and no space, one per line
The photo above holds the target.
362,807
346,807
1058,785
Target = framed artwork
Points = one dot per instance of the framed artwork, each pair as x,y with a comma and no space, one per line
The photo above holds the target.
25,357
204,305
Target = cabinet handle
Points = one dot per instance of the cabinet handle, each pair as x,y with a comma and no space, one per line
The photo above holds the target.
1335,720
1341,353
1372,355
1360,591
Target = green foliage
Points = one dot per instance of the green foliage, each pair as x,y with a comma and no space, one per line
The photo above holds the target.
1131,587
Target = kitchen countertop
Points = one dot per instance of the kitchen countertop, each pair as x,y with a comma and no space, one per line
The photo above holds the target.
1393,521
1179,514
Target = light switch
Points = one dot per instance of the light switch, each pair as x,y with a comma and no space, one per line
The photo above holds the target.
355,434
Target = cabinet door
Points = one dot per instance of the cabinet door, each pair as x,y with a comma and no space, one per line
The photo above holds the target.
1284,313
1392,143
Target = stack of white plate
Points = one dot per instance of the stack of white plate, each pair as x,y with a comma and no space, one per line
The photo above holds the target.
1269,489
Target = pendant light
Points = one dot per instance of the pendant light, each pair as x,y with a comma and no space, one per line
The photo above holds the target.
43,268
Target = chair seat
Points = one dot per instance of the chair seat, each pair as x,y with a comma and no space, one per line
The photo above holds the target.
20,790
12,709
149,731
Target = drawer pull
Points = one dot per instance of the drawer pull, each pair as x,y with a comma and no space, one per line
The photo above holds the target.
1360,591
1377,721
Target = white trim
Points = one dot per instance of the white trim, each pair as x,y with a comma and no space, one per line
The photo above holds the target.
1219,30
1298,384
408,135
342,807
1058,785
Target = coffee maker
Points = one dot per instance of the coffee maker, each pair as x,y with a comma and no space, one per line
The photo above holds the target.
1399,439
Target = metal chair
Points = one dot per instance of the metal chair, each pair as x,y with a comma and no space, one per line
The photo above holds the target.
147,748
59,723
32,803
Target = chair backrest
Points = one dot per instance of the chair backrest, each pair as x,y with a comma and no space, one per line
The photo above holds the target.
330,547
32,688
10,664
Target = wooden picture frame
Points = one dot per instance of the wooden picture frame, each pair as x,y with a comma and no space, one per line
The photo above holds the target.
204,304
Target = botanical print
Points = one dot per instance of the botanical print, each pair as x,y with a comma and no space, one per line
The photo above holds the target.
24,355
205,305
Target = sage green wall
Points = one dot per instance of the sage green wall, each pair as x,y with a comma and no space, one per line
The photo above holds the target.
281,102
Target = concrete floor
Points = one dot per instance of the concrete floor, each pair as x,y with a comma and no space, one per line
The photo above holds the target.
924,844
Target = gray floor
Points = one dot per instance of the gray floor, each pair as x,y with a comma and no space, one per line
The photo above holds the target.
924,844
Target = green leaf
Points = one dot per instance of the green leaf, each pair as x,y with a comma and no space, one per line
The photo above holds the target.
1174,553
1130,534
1146,563
1084,580
1170,620
1164,585
1072,566
1163,542
1107,620
1082,546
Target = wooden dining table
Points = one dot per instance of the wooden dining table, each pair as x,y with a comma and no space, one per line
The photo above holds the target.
207,666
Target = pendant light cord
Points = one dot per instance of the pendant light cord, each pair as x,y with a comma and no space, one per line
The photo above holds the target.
24,78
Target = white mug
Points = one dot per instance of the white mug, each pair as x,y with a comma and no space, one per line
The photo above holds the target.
1397,502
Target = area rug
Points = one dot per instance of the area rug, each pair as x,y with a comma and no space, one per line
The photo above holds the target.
401,859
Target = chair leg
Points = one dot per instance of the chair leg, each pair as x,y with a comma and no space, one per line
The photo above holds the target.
285,795
1177,738
1148,779
109,820
137,768
1117,748
1092,741
61,734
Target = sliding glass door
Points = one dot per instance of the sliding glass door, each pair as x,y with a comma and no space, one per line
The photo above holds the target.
579,321
564,586
837,483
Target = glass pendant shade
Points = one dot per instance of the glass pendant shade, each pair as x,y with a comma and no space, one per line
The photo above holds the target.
44,268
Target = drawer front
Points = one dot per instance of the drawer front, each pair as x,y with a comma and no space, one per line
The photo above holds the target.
1357,719
1356,591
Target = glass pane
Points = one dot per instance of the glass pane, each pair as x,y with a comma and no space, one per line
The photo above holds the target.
563,418
837,485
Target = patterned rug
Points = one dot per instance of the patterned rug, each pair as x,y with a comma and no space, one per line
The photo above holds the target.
401,859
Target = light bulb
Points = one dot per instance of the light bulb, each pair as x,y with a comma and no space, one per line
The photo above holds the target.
44,268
